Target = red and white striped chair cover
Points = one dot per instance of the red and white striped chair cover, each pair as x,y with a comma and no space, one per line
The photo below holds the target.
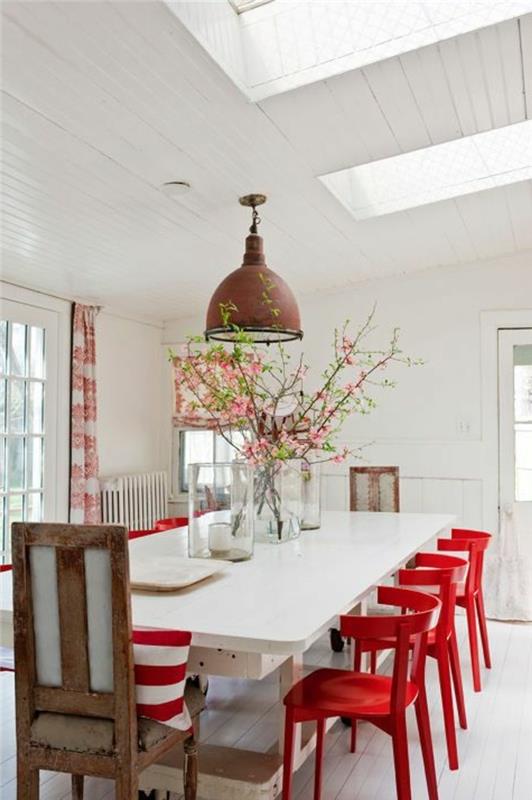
160,675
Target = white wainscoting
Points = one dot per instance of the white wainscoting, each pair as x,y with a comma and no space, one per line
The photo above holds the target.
460,496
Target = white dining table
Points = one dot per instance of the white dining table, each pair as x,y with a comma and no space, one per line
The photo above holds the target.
261,615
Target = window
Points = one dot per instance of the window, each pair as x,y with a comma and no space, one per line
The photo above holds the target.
34,409
199,446
22,402
246,5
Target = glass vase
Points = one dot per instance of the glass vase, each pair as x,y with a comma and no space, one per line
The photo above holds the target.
221,511
311,488
278,501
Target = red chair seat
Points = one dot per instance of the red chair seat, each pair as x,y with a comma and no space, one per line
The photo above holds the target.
339,692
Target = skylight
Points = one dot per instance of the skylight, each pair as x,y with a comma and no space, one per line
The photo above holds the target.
246,5
482,161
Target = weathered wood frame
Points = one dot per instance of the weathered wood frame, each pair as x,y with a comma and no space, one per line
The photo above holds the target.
75,696
374,475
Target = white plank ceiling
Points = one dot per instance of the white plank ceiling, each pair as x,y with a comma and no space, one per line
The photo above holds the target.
103,102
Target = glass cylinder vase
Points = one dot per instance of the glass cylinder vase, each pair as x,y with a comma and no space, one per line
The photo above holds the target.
311,488
221,511
278,501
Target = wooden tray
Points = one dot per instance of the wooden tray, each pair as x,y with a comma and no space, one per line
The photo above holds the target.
171,573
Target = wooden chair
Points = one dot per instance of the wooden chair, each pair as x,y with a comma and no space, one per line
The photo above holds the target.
74,670
370,489
374,488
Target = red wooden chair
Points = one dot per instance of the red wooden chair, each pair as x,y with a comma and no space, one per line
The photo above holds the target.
7,660
470,596
171,522
378,699
439,575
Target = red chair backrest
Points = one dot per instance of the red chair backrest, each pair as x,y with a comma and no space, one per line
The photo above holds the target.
5,567
171,522
470,547
439,575
419,615
483,541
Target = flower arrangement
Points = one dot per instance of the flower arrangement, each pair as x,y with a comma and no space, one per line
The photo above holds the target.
257,399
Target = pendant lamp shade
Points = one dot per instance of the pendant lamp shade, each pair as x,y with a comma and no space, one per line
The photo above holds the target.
262,303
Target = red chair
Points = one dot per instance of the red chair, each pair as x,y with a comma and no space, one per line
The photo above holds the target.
7,662
171,522
378,699
470,596
139,534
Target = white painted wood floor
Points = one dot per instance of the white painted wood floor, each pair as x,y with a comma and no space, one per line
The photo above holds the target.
495,753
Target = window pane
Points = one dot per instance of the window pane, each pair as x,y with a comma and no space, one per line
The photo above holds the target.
37,352
34,463
3,390
3,527
34,507
36,407
18,351
15,463
16,511
225,451
3,345
194,446
17,404
523,422
2,464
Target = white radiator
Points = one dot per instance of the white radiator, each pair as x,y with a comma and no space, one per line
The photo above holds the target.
136,501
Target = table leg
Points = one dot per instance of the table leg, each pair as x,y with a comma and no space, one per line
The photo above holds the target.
290,672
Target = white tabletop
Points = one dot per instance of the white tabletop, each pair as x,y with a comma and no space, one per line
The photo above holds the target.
285,597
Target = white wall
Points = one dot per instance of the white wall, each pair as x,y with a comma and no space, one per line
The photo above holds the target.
129,371
431,424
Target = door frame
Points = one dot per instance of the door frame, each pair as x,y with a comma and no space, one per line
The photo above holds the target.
490,324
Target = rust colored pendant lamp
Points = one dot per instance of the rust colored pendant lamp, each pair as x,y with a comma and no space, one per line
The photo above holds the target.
263,304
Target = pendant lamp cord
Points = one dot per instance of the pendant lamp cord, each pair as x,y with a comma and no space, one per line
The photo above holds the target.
255,220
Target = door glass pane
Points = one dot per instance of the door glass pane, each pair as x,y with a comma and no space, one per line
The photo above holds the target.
17,406
36,407
523,422
18,350
36,352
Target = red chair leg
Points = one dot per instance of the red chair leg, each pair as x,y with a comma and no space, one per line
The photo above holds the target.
447,705
456,672
400,758
288,759
481,614
473,643
425,738
353,735
320,732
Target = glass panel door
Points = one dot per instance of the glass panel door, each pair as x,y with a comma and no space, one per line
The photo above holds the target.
515,416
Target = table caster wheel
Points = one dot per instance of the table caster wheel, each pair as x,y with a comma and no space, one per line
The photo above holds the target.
347,721
337,643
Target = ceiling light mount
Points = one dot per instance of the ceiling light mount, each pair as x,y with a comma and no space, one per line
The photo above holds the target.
263,304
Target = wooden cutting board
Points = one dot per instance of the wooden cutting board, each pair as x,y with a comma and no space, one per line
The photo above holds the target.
170,574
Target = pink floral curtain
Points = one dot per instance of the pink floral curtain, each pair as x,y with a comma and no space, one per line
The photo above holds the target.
186,415
84,485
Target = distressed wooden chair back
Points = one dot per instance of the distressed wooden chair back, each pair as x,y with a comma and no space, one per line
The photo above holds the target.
374,489
73,651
